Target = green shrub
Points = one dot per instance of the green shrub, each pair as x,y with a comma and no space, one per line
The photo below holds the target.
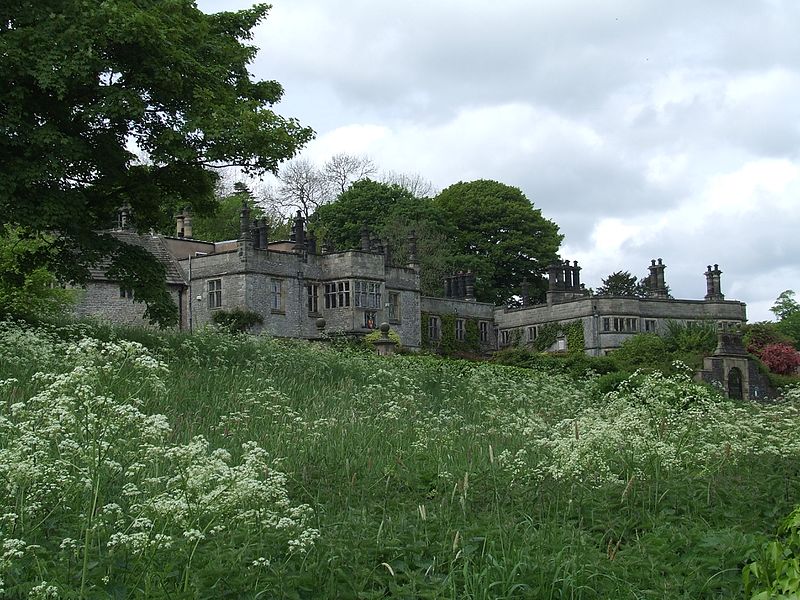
236,320
374,336
609,382
644,351
776,572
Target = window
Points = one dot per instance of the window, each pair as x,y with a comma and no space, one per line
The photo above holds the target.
434,328
277,295
370,319
533,331
337,294
650,325
125,292
505,337
393,307
368,294
483,329
460,331
312,298
214,293
620,324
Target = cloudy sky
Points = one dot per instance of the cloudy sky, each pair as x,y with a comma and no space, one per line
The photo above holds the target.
644,129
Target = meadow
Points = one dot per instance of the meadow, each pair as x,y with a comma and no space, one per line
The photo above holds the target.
140,464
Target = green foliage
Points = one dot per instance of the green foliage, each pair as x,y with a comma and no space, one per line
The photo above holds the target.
622,283
690,343
785,305
790,327
366,202
374,336
776,572
576,365
498,234
548,334
236,320
81,80
643,351
28,291
759,335
223,223
448,344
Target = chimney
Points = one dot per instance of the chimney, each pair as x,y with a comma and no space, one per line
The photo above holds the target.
311,241
244,222
187,222
299,232
412,247
552,277
567,276
179,225
263,234
470,286
526,292
448,287
254,235
576,276
365,238
713,284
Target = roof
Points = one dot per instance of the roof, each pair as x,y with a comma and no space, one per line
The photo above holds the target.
154,244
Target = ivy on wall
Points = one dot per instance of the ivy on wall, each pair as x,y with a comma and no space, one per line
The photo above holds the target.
447,342
548,334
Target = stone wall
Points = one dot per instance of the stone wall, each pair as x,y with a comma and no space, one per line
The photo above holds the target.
102,300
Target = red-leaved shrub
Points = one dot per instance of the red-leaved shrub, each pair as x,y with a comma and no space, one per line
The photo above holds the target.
781,358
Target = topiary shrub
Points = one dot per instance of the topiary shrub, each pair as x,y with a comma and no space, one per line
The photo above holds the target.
236,320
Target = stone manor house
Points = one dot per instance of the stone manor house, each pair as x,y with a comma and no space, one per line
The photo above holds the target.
292,285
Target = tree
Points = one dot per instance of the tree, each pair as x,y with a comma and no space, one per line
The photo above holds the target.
26,290
785,305
83,82
787,310
497,233
366,203
223,223
302,187
414,183
343,170
622,283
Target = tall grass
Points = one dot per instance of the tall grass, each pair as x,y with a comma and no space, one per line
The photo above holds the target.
405,477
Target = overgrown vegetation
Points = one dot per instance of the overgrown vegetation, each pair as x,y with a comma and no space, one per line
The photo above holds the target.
143,464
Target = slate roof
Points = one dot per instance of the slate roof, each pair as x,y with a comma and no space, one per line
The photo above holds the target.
155,245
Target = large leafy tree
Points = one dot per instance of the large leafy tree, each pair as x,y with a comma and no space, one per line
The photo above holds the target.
366,203
787,309
497,232
622,283
82,84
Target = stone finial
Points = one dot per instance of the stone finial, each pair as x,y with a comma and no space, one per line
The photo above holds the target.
320,323
384,345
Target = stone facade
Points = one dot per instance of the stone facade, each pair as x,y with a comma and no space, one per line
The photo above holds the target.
290,284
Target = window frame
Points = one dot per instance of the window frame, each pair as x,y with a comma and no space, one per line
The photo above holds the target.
214,293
